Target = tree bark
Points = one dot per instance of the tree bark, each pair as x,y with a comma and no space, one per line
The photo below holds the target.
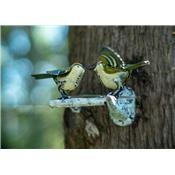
154,86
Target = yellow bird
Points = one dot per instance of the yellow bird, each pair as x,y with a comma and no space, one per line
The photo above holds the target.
67,80
112,70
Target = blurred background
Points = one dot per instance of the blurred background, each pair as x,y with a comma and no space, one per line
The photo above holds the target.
26,119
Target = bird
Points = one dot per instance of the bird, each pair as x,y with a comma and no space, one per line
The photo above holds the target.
113,71
66,80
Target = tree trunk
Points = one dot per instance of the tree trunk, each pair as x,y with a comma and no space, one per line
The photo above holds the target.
154,86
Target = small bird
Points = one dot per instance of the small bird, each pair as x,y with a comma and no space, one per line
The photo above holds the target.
112,70
67,80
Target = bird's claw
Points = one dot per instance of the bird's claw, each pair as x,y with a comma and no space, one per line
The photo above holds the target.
63,97
117,92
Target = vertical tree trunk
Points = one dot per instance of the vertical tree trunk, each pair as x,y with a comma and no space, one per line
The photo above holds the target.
155,85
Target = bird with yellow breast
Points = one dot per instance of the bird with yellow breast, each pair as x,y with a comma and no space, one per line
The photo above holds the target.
66,80
112,70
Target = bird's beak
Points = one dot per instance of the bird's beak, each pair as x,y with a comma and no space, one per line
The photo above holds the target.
91,67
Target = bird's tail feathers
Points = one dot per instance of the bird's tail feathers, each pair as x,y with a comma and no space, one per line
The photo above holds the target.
136,65
42,76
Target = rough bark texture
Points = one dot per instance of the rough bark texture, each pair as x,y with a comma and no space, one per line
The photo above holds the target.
154,86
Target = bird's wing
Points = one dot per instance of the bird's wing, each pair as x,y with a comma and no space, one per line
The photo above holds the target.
52,74
59,72
111,58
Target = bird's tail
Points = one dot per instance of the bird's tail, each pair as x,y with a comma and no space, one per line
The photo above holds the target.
136,65
42,76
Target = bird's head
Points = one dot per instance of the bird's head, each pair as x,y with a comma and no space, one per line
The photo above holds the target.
77,66
106,68
94,66
99,65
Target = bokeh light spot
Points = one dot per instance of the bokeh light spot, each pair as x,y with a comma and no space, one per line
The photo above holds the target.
19,42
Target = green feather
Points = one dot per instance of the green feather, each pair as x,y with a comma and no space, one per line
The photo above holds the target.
110,57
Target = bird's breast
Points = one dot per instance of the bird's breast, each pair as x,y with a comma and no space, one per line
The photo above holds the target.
72,80
108,79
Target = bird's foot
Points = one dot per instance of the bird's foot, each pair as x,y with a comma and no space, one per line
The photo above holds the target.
117,92
110,93
63,97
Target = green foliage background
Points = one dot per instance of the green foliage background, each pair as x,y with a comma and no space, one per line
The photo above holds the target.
26,119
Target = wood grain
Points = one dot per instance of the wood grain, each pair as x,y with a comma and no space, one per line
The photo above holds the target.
154,86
